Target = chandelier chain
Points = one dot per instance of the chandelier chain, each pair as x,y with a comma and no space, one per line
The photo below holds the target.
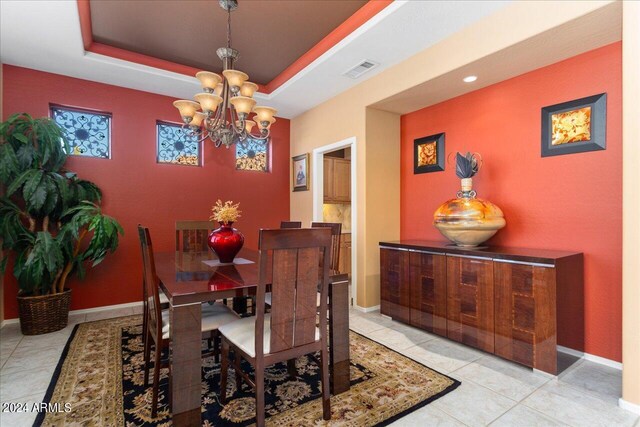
229,28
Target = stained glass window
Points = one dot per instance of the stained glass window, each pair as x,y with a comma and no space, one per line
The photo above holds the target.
252,155
88,133
177,145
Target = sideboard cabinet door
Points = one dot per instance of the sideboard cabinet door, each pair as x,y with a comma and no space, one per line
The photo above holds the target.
394,284
429,292
525,329
470,302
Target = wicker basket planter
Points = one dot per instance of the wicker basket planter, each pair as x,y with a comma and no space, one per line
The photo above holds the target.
44,314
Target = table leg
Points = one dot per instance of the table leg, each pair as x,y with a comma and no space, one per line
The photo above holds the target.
339,336
186,341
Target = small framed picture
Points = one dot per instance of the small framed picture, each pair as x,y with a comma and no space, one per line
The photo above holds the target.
428,154
300,172
575,126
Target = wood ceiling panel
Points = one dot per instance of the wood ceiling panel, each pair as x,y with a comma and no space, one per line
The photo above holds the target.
270,34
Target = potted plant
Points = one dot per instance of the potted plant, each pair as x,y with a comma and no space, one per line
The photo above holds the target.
51,223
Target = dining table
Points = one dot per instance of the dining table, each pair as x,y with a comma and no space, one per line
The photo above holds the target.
189,279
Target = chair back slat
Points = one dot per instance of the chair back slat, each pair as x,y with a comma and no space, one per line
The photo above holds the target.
306,296
151,282
336,235
283,299
192,236
295,256
290,224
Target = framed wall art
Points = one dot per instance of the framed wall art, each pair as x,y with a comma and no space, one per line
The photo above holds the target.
428,154
300,172
575,126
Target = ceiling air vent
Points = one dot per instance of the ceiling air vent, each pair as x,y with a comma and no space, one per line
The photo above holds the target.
360,69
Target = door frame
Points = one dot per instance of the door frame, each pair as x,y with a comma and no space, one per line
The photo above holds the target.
317,176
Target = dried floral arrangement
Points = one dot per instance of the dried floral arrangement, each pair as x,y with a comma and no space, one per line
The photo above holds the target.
225,213
468,165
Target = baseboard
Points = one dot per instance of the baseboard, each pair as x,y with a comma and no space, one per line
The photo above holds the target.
570,351
85,311
106,308
631,407
591,357
367,309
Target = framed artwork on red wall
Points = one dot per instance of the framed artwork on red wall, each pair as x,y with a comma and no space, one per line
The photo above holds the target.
575,127
428,154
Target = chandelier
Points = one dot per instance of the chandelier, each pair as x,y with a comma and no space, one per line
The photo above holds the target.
226,101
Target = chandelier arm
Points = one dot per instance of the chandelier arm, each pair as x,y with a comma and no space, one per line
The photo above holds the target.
215,122
205,135
216,141
236,118
261,137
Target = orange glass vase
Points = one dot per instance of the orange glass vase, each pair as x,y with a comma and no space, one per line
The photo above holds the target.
466,220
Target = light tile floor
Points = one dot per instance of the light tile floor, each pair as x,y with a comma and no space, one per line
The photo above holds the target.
493,392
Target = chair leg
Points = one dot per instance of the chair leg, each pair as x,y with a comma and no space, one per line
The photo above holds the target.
216,347
259,377
147,356
236,367
291,367
224,371
156,380
324,371
145,314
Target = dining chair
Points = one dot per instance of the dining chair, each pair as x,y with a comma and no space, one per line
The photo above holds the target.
192,236
336,235
164,301
289,260
157,320
290,224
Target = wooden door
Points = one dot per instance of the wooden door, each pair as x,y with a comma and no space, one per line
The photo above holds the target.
428,274
525,328
328,179
342,180
394,284
470,301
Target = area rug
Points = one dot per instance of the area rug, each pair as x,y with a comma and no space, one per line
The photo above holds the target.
100,374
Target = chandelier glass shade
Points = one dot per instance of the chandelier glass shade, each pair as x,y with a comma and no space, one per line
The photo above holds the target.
222,111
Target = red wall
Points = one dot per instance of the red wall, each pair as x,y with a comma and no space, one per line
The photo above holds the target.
138,190
570,202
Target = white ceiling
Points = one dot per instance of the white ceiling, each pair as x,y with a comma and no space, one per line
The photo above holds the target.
45,35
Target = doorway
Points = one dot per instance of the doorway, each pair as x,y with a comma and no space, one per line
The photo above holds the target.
340,206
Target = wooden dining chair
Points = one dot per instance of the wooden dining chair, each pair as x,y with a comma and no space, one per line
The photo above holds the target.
290,224
157,320
336,235
289,260
192,236
164,301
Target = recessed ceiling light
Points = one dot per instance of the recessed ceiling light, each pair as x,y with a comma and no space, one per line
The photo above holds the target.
470,79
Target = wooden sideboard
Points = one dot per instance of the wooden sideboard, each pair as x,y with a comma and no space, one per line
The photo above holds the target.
516,303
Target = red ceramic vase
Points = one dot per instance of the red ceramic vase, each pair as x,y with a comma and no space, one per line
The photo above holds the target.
226,242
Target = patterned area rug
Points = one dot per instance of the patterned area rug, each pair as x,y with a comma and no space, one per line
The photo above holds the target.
101,373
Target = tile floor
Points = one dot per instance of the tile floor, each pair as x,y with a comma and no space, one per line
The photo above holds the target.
493,391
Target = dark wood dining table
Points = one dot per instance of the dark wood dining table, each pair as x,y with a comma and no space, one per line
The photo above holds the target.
188,282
